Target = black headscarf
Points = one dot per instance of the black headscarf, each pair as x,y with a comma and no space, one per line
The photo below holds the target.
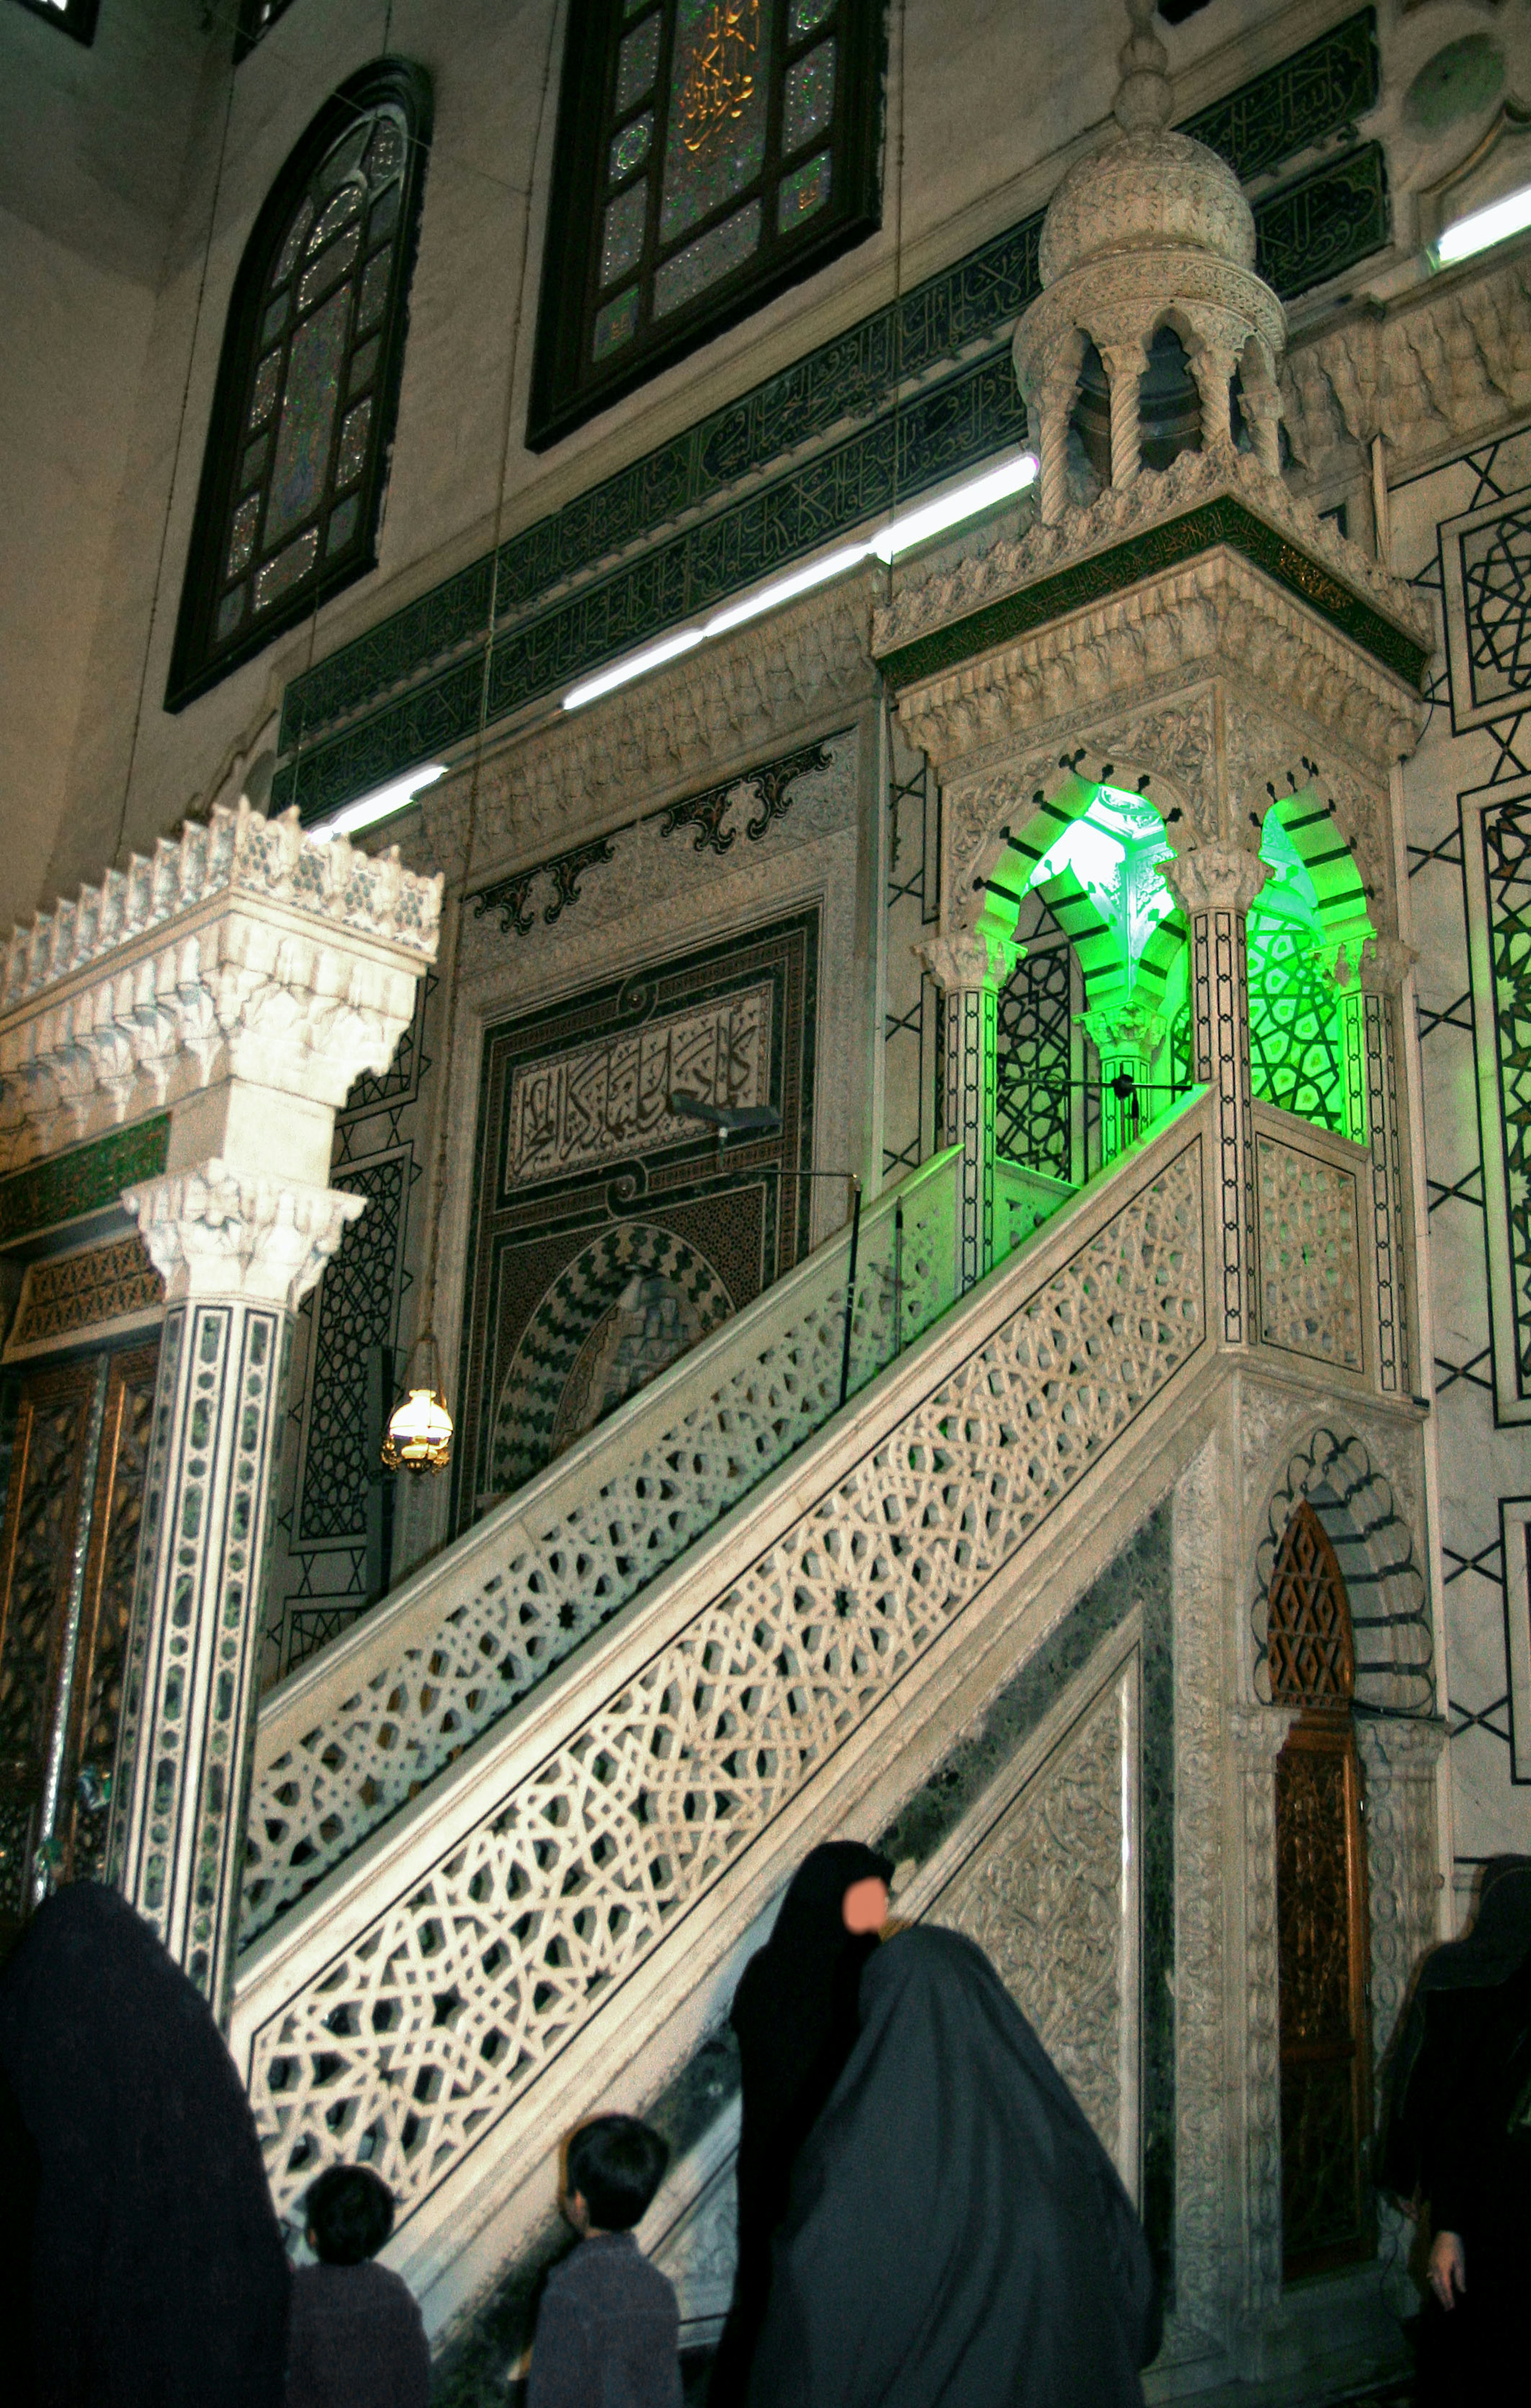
158,2277
1495,1950
796,2016
956,2234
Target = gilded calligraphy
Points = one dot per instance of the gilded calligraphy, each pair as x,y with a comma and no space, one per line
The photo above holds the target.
719,80
604,1101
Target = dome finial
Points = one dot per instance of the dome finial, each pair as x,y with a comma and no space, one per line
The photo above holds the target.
1143,98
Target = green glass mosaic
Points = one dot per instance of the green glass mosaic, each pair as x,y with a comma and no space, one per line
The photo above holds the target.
82,1181
1224,520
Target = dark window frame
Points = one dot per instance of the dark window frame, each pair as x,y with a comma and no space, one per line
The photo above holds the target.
567,388
199,660
76,19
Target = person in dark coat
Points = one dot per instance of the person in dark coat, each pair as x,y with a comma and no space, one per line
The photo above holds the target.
1457,2140
355,2337
609,2328
956,2234
157,2276
797,2019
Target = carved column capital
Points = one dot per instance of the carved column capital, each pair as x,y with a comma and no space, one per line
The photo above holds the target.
1213,878
1385,963
1132,1026
970,959
214,1232
1403,1750
1258,1734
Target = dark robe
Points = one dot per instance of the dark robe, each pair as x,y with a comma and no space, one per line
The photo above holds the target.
355,2339
1457,2135
157,2275
796,2016
957,2234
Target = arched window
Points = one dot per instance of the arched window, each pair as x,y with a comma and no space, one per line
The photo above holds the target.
307,386
1321,1911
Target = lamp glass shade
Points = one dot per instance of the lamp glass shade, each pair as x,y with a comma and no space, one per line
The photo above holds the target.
419,1435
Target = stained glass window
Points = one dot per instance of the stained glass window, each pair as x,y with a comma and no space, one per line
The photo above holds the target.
77,17
292,483
709,153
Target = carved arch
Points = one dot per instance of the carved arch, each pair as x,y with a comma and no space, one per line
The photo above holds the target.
1325,852
1373,1546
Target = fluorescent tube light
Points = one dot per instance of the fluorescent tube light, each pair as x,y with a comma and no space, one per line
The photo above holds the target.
785,589
380,804
636,665
1493,224
964,502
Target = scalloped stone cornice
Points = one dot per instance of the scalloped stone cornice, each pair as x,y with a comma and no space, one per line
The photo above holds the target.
944,599
643,744
246,951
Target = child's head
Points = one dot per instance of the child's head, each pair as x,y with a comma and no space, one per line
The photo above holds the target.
614,2166
351,2214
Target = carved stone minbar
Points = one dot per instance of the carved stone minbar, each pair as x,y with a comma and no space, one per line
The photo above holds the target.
244,977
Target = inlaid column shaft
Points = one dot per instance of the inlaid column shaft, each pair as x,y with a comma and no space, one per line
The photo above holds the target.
1127,1036
1385,964
236,1254
970,969
1215,889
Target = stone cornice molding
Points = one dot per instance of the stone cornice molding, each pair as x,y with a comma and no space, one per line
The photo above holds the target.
1440,364
1215,615
1213,878
925,606
637,747
970,960
246,951
212,1232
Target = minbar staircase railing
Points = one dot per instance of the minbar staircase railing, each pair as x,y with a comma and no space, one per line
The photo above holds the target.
551,1913
356,1732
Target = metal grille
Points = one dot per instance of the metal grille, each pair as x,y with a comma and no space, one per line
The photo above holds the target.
1033,1112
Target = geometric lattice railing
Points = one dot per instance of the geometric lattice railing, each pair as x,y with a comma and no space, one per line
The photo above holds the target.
406,2011
351,1736
1315,1286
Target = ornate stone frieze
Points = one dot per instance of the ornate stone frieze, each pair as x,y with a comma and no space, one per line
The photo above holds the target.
924,605
246,951
211,1232
589,769
1442,364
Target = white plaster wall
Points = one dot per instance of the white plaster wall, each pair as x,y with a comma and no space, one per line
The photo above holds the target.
994,98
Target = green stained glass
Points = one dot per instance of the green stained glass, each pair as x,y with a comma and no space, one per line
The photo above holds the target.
329,267
809,100
1296,1050
353,444
637,62
274,319
346,156
719,88
622,237
267,379
339,213
712,255
375,282
308,417
631,147
804,190
364,366
342,525
242,536
254,464
286,569
294,244
806,15
615,324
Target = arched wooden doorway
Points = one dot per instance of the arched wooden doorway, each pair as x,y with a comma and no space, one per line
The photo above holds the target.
1320,1912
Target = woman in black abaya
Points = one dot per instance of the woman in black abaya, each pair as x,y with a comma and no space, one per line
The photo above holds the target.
1457,2139
151,2273
795,2016
956,2234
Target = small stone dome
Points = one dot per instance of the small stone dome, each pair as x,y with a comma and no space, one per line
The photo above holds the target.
1151,190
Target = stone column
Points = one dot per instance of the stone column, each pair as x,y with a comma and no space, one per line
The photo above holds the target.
1124,365
1258,1734
1372,1005
1127,1036
1215,888
237,1250
970,968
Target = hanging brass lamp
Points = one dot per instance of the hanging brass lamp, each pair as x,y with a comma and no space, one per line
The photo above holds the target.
420,1428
